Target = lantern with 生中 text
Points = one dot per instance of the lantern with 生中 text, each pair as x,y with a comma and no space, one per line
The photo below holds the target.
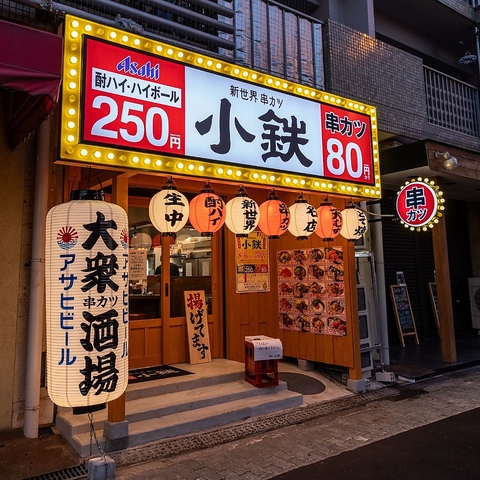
169,209
86,275
329,221
207,212
274,216
303,218
354,223
242,214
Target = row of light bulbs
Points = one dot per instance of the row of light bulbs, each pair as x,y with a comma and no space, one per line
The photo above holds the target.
220,172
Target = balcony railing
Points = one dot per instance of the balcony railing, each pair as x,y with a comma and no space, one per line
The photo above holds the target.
259,34
451,103
275,39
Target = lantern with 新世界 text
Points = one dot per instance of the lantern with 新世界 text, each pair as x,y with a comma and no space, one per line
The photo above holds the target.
274,216
329,221
242,214
354,223
86,275
169,209
207,212
303,218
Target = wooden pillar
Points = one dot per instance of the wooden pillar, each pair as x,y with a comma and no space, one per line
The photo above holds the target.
165,287
445,309
116,408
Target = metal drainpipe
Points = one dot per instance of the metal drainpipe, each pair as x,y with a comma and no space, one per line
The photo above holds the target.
37,283
477,45
377,248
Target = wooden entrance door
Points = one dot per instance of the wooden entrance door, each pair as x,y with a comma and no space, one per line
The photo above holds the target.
163,340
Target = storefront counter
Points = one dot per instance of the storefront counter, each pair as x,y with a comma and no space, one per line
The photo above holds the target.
144,306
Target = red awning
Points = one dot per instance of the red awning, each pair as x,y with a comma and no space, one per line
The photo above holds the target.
31,67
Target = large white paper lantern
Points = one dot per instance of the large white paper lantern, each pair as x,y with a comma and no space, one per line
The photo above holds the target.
303,219
274,216
207,212
241,214
169,210
354,223
86,274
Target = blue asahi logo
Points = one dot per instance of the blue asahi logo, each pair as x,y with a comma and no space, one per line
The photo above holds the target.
133,68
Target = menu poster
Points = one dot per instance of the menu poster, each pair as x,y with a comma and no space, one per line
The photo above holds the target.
251,261
137,264
311,290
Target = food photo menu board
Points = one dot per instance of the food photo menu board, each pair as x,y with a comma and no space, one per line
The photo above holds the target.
311,290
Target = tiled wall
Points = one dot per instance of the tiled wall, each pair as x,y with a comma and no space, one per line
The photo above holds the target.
363,68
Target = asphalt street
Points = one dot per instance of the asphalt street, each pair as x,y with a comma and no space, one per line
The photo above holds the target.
430,430
448,450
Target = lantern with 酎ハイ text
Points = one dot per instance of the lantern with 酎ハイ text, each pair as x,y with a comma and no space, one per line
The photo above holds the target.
169,209
242,214
207,212
274,216
303,218
86,275
354,223
329,221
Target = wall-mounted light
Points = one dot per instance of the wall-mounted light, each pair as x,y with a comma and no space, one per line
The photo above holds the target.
449,162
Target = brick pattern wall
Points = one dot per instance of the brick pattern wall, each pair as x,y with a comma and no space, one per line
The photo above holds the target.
363,68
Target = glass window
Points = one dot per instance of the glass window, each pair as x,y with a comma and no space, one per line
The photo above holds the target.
190,266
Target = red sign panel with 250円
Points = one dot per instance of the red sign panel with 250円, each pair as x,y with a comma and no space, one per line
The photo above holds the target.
417,204
127,105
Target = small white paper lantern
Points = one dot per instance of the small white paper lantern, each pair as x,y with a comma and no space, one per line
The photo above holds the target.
169,210
141,240
303,219
354,223
242,214
86,274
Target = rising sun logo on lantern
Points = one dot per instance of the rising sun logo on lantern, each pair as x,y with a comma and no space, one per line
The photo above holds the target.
124,238
67,237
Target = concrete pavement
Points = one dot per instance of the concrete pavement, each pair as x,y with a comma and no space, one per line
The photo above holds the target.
269,454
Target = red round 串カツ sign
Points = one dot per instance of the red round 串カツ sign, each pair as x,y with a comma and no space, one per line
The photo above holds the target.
417,204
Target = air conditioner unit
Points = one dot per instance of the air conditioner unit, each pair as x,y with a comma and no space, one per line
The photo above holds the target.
474,288
366,337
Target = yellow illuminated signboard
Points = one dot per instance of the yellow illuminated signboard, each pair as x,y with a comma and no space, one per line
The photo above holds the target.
133,102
